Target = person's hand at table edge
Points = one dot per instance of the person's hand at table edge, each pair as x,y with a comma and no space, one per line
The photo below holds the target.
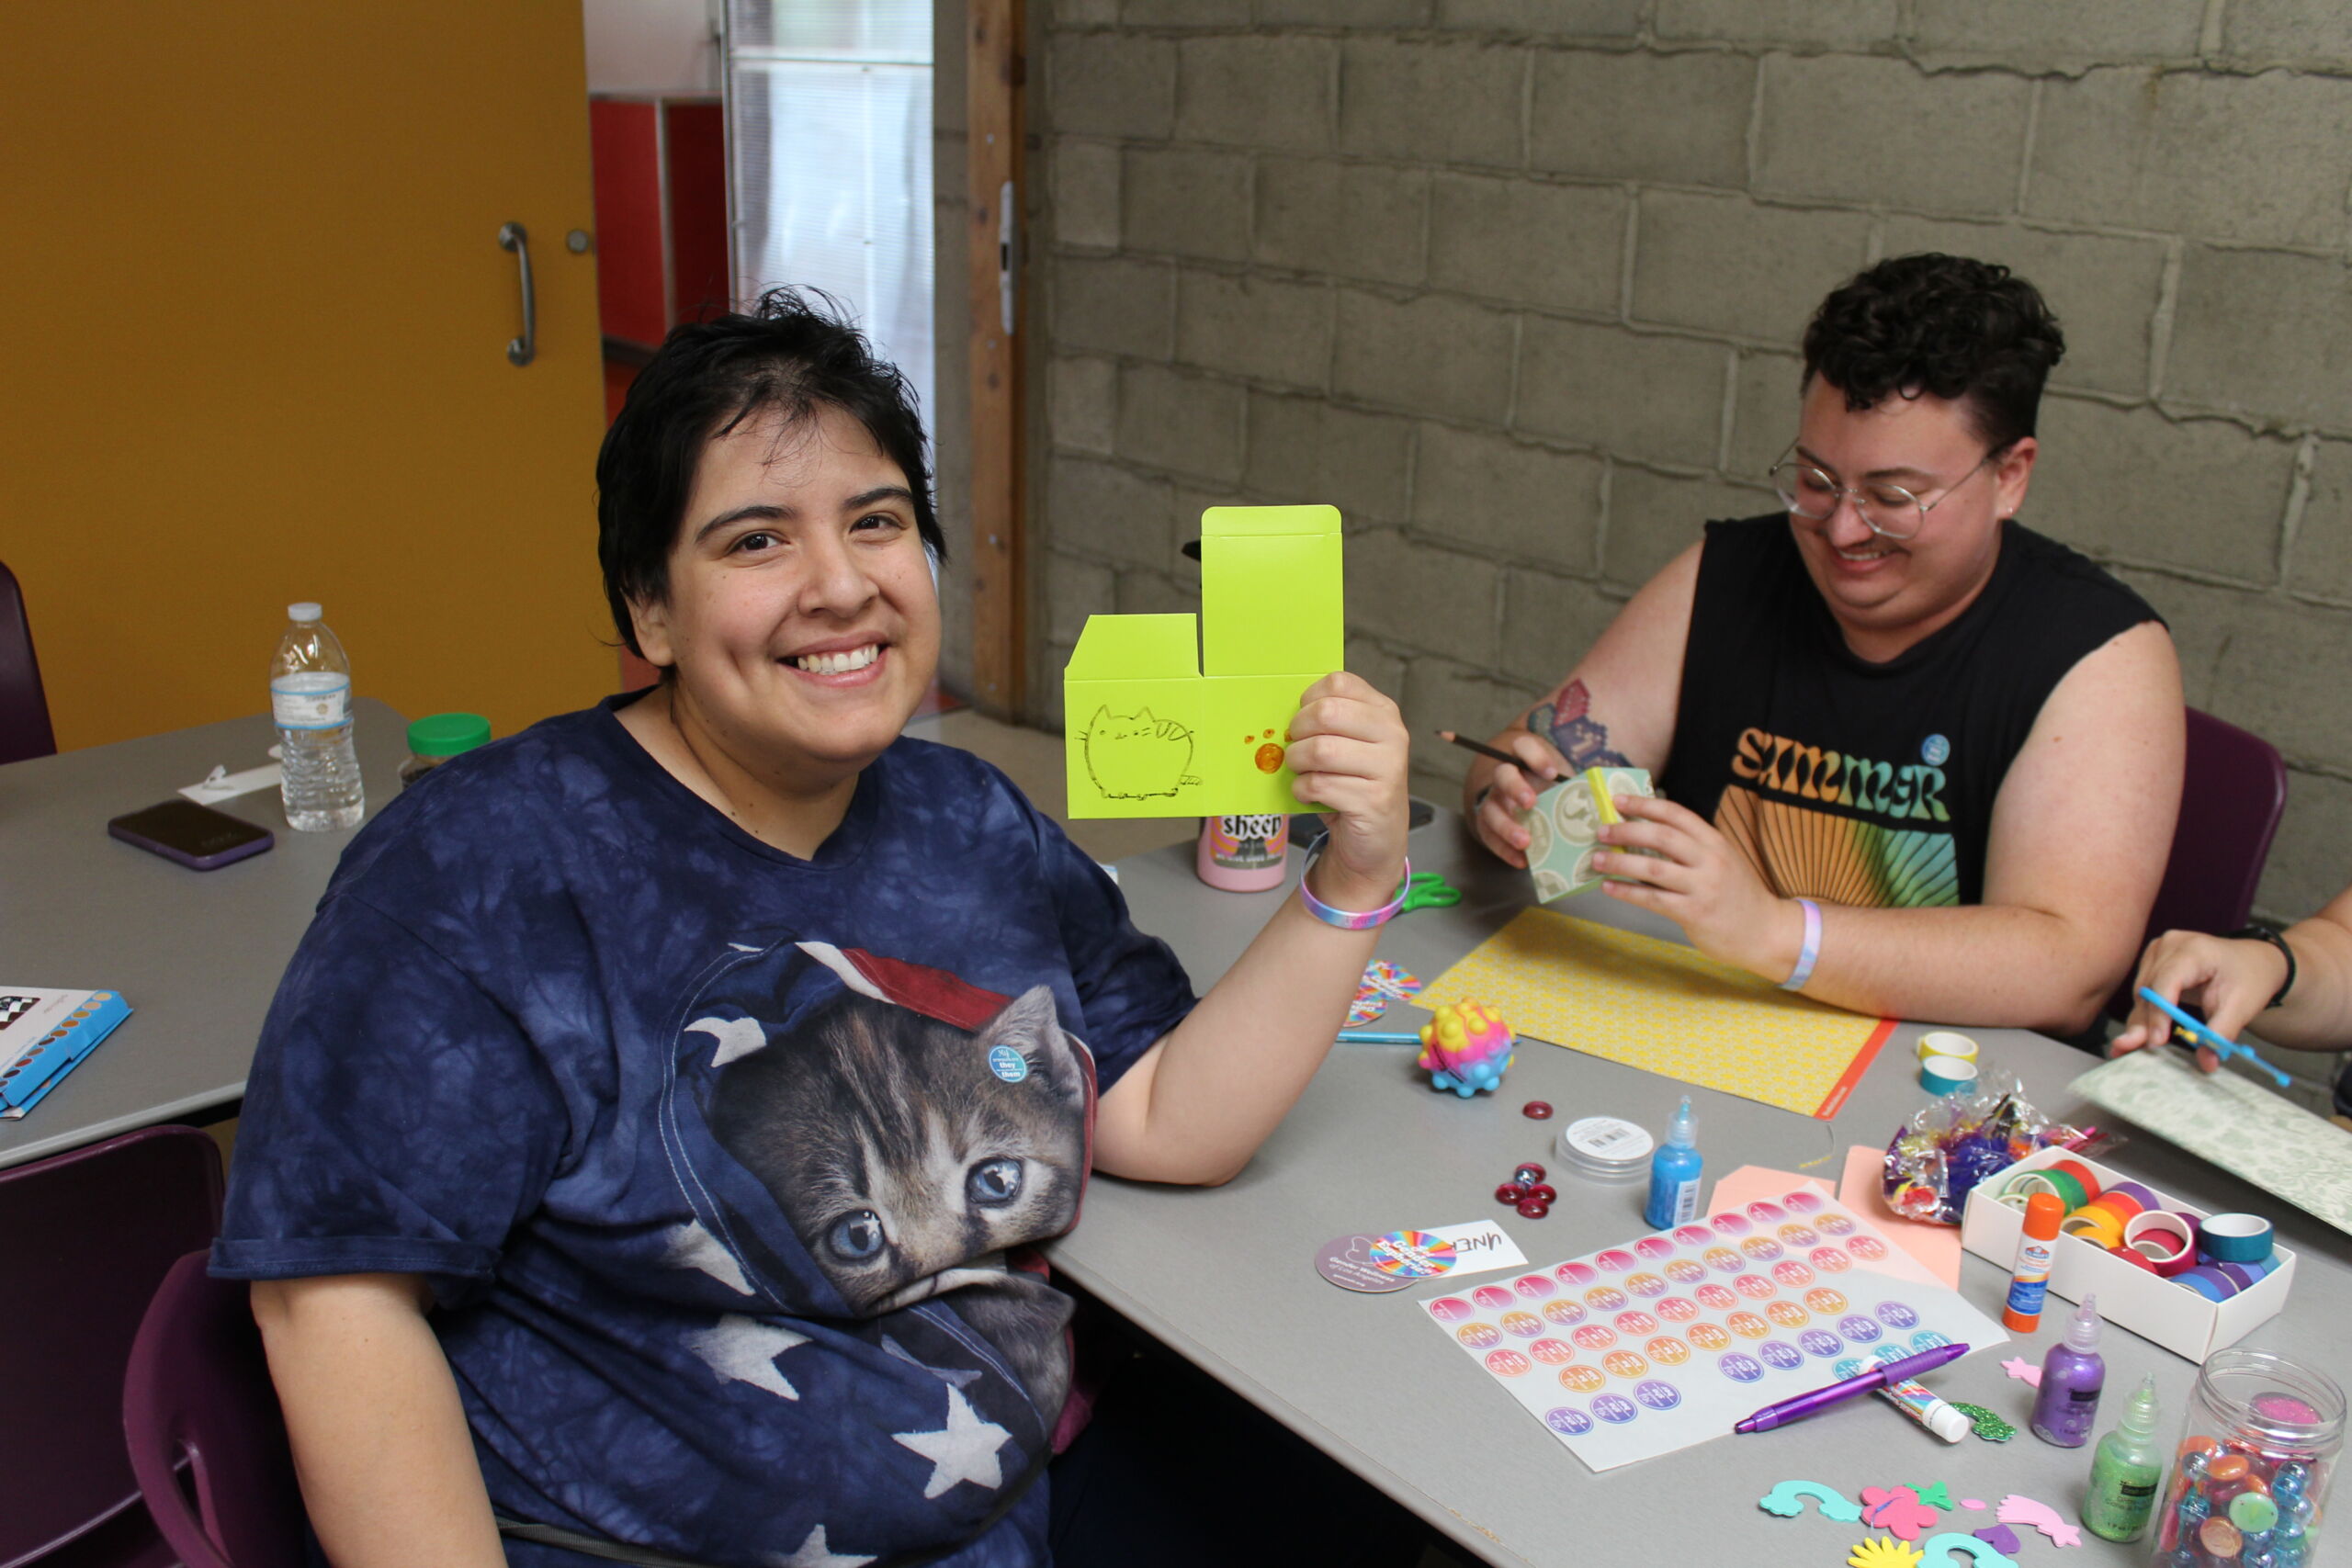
1698,879
1497,792
2232,981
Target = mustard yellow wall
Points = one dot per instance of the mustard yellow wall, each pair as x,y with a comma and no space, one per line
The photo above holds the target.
253,322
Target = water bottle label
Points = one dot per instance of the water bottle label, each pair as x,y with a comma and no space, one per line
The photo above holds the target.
319,701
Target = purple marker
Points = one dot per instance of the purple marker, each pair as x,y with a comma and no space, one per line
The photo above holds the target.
1804,1404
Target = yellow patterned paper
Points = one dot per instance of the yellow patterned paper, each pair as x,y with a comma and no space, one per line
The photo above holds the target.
1665,1008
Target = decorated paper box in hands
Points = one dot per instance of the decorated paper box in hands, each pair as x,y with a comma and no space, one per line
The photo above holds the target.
1178,715
1565,824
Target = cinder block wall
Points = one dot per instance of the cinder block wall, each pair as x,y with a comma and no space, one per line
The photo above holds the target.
1516,284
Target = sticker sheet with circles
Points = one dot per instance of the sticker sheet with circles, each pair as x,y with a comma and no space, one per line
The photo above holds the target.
1663,1342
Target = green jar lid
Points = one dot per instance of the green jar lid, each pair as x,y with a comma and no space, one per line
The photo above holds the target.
447,734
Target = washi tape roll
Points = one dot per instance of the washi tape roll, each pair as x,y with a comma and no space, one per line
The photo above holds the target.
2210,1283
2080,1173
1944,1042
2244,1275
2168,1240
2235,1238
2136,1259
2069,1187
1947,1075
2141,1195
2098,1226
2123,1205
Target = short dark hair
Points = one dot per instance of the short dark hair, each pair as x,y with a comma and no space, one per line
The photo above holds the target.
794,353
1970,330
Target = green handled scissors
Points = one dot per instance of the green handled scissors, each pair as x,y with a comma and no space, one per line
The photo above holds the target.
1428,890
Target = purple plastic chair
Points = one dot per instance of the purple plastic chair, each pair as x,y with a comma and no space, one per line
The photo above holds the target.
2232,792
201,1421
86,1237
24,708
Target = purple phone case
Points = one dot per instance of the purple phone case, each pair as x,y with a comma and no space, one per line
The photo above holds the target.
213,862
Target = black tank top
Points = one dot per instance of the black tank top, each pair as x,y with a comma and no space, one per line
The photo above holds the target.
1869,784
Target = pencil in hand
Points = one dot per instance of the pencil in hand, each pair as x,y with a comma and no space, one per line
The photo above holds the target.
1488,752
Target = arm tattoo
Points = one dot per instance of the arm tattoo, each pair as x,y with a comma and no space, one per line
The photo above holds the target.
1565,720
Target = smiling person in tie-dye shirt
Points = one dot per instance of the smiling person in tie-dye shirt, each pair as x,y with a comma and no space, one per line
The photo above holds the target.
648,1144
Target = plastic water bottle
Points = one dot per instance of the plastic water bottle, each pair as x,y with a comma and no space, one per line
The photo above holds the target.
309,696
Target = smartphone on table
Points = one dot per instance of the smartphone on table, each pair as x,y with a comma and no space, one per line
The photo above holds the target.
193,835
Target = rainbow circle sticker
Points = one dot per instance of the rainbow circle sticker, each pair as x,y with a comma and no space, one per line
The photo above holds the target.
1803,1203
1615,1260
1868,1248
1604,1298
1582,1380
1563,1312
1715,1297
1729,1225
1755,1287
1646,1285
1595,1336
1636,1323
1762,1248
1659,1395
1479,1336
1823,1300
1655,1247
1723,1260
1532,1287
1739,1368
1575,1274
1494,1298
1788,1315
1858,1328
1450,1309
1668,1351
1412,1255
1507,1363
1830,1260
1796,1235
1835,1224
1894,1314
1780,1355
1615,1409
1526,1324
1748,1325
1624,1364
1708,1336
1678,1309
1765,1214
1568,1421
1686,1272
1692,1236
1928,1339
1552,1352
1791,1273
1820,1342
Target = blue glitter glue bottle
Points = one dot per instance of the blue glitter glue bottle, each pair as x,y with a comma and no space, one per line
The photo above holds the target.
1674,1175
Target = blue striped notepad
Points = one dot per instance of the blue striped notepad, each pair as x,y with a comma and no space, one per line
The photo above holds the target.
44,1034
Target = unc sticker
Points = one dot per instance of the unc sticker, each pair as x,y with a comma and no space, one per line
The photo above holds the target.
1934,750
1008,1064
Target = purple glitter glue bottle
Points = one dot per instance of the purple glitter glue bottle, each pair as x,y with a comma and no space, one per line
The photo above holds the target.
2072,1376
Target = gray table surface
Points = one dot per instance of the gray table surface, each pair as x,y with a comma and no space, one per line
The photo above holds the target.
1227,1276
198,954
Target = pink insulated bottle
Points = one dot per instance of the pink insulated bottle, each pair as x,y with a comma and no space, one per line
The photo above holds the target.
1243,854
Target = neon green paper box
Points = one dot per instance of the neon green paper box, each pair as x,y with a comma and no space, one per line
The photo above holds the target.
1183,715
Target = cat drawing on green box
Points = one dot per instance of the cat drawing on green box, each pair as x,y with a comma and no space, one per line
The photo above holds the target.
1134,756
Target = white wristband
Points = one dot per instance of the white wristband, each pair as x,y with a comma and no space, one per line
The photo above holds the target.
1811,953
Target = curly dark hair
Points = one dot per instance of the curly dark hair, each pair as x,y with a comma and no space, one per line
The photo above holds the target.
1970,330
795,352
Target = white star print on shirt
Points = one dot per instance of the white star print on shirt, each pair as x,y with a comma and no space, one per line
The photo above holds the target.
736,1036
815,1554
691,1246
964,1451
743,1350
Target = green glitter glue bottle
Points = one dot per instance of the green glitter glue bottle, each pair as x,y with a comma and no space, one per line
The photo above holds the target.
2126,1471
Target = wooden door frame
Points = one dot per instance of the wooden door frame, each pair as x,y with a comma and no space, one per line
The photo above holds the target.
995,188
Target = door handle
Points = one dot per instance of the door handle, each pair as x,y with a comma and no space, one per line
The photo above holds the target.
520,351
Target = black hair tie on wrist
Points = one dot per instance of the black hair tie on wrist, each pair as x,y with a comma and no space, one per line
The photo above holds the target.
2263,933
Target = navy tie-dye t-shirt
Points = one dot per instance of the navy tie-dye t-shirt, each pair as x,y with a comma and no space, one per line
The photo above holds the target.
721,1163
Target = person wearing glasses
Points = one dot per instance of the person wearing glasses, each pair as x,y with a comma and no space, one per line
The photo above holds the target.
1917,759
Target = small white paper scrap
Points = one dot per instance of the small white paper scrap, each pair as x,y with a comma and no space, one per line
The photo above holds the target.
221,785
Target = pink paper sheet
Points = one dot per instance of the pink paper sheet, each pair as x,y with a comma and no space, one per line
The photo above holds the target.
1937,1247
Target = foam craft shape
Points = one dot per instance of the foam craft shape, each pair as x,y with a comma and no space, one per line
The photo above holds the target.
2021,1511
2000,1538
1880,1553
1899,1511
1787,1500
1934,1494
1978,1504
1983,1554
1185,715
2025,1372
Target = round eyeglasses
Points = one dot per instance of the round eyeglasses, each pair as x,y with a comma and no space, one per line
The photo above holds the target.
1887,509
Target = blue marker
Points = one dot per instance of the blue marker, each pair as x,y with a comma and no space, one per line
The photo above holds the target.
1377,1037
2225,1049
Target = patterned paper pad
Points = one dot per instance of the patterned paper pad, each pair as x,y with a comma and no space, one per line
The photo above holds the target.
2235,1123
1663,1007
1641,1350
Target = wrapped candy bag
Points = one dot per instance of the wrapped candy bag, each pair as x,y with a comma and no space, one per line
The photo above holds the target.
1951,1143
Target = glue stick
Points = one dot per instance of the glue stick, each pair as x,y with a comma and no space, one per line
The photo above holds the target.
1918,1401
2030,1279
